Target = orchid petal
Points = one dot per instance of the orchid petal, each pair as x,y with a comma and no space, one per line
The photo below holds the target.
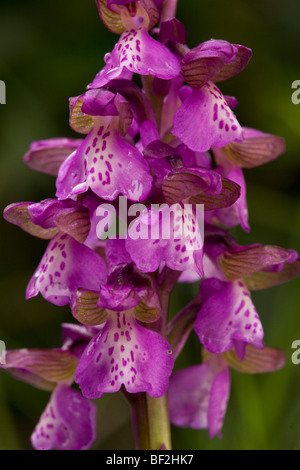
204,120
198,396
137,52
256,361
228,195
103,162
18,214
65,267
111,19
68,422
273,276
172,30
153,238
241,261
42,368
257,148
86,310
230,69
227,317
184,183
46,156
125,353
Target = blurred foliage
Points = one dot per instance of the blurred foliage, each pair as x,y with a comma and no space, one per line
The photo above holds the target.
50,51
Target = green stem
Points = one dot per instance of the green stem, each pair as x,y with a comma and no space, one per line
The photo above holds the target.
150,416
151,424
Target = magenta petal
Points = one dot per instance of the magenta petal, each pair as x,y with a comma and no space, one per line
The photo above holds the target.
114,297
142,54
219,397
68,422
47,155
205,120
236,175
214,60
227,316
203,62
108,74
172,30
99,103
139,53
116,253
18,214
43,213
125,353
65,267
108,165
153,238
237,213
71,177
189,395
198,395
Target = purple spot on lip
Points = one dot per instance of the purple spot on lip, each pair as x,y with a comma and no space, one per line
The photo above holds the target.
240,307
221,123
98,357
226,128
108,166
127,336
215,117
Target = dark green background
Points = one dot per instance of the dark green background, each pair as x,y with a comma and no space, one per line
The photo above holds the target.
50,51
